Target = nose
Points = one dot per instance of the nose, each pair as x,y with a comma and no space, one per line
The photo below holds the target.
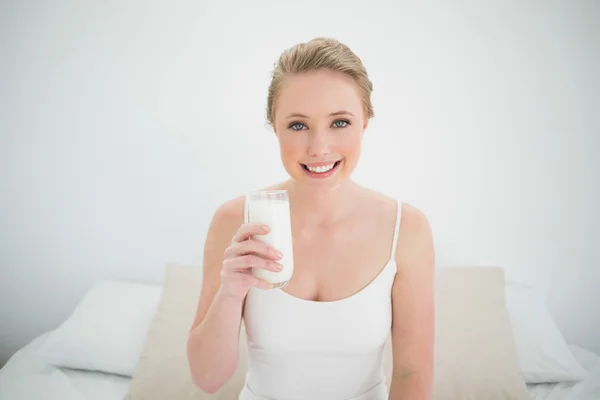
319,145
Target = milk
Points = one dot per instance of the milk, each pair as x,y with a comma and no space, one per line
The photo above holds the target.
272,209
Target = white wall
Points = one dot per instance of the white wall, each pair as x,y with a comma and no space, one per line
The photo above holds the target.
123,126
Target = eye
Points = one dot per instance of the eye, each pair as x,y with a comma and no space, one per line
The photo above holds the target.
341,123
297,126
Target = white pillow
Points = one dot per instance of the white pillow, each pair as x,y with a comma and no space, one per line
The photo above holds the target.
544,356
106,331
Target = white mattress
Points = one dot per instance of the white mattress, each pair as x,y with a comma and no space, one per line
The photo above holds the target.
25,377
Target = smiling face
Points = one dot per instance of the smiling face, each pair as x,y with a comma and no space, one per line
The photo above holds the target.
319,121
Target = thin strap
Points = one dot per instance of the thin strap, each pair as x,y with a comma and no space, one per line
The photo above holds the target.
397,228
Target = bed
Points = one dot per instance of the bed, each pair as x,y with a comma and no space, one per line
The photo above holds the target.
29,374
24,377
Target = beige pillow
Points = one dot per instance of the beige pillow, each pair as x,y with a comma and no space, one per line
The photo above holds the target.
475,353
162,372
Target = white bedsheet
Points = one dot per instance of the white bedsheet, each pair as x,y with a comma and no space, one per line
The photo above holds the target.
588,389
25,377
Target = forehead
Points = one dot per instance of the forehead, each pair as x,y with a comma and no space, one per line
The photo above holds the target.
318,93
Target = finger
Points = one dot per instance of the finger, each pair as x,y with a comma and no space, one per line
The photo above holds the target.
251,261
252,246
258,283
246,231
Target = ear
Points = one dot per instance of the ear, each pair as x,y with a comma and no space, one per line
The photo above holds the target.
271,127
365,124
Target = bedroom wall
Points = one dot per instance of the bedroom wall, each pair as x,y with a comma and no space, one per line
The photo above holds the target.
123,125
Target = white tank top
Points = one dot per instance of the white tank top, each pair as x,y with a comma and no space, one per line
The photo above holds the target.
309,350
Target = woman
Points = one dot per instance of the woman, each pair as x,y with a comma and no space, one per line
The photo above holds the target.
363,262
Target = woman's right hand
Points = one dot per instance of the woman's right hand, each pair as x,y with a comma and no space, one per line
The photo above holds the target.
243,254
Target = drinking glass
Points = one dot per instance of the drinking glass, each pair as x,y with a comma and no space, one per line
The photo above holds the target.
272,208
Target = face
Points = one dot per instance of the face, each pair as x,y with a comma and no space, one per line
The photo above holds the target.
319,121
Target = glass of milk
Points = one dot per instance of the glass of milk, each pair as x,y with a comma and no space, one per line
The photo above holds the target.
272,208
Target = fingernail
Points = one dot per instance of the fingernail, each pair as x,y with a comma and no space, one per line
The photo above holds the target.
278,267
265,228
278,254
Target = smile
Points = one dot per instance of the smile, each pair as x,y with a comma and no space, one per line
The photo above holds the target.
321,170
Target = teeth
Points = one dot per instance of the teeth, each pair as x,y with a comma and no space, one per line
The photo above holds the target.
320,169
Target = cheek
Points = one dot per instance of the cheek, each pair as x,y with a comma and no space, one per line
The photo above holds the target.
350,144
290,146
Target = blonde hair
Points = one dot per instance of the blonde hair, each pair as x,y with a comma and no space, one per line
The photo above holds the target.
319,53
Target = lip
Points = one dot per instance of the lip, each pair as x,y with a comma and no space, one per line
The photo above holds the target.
321,163
322,175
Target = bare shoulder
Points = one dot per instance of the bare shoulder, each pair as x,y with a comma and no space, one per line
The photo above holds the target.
413,220
226,221
415,241
228,216
380,204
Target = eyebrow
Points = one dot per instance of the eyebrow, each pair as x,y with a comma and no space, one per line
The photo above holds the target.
341,112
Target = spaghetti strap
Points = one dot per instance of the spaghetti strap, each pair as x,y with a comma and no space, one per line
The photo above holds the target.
397,228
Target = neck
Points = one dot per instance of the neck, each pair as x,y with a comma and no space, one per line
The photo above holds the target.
321,207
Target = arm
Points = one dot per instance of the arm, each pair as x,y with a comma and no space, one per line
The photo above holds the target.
413,310
212,346
229,254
